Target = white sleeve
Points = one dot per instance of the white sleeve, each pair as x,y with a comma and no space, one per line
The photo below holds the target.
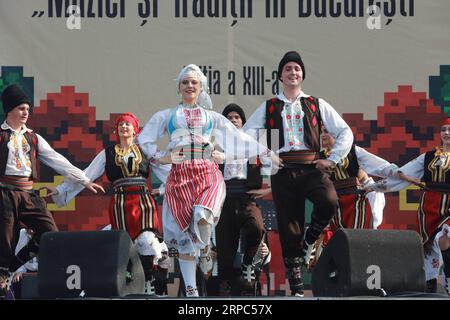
377,202
256,122
160,170
68,190
339,129
374,165
59,163
413,169
236,143
153,130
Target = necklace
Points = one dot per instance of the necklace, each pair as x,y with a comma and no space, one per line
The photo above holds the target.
440,152
119,159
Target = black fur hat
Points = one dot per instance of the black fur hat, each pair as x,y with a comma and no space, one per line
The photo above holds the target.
13,96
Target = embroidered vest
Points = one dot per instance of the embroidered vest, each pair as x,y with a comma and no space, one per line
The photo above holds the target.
436,168
347,168
115,168
312,121
32,141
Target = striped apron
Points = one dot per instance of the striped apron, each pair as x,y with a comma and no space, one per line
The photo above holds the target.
197,182
132,208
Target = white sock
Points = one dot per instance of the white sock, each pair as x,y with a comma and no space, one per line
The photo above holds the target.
188,269
205,231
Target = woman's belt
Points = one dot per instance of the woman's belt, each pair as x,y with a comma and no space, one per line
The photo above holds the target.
16,182
194,152
441,187
131,181
348,186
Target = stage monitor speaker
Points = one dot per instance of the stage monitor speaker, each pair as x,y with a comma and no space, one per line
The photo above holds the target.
29,286
89,264
359,262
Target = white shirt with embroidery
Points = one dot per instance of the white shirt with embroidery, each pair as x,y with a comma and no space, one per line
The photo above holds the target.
292,116
19,164
184,124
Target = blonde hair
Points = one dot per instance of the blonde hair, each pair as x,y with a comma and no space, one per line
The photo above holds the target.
204,100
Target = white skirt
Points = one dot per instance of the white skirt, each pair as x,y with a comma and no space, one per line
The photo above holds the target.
188,242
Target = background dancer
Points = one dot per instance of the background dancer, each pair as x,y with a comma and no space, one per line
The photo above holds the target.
21,148
132,207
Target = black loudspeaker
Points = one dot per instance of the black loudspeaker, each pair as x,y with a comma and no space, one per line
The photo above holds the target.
359,262
89,264
29,286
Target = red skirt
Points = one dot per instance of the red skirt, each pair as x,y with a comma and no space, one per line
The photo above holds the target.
354,213
434,211
133,209
192,183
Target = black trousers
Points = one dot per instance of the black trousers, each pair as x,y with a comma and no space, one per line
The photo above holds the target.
21,207
240,213
290,189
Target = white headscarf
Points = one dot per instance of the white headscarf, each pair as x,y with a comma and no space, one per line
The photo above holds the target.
204,100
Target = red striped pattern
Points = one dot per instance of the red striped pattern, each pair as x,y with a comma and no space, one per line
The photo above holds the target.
133,212
354,212
19,182
433,212
191,183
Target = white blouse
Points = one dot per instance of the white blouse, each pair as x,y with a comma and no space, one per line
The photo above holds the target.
374,165
413,169
68,190
186,125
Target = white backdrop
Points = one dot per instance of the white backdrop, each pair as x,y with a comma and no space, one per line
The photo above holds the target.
128,67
